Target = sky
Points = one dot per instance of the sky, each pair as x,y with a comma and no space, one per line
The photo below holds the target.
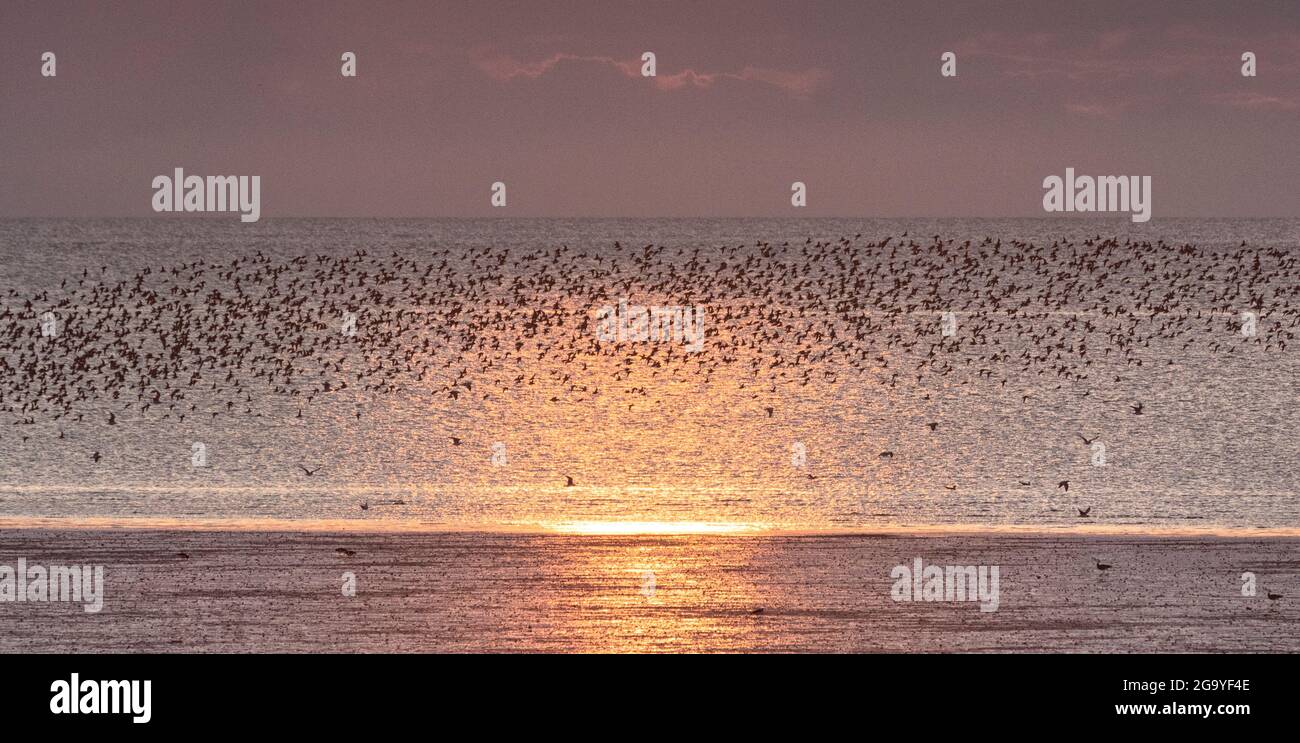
749,96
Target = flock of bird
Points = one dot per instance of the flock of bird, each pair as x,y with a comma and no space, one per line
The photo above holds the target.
207,339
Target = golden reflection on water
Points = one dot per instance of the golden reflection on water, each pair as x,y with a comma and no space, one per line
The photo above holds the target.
659,593
652,527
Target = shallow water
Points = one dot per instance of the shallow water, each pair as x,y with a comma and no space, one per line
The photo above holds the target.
474,592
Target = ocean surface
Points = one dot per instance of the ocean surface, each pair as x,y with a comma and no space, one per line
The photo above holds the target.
273,592
472,387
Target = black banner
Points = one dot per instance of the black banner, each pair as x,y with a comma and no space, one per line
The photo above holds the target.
372,693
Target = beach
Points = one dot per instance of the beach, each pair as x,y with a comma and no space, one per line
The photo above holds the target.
235,591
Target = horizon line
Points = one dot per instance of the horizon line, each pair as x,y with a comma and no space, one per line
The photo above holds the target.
224,216
654,529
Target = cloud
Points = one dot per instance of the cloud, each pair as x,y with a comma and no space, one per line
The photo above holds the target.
1098,110
1252,100
505,67
799,83
1123,54
1123,70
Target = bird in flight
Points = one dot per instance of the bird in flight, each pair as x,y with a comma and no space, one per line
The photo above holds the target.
1086,441
1083,512
568,481
455,441
310,472
1137,409
1064,484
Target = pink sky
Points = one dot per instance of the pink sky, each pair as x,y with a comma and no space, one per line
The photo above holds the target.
750,96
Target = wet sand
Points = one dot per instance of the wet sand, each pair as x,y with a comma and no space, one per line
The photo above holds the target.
262,591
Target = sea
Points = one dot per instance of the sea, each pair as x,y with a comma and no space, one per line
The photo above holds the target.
855,375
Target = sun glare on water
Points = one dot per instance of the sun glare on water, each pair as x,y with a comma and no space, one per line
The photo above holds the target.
652,527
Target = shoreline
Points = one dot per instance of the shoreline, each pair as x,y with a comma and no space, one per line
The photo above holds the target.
627,529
